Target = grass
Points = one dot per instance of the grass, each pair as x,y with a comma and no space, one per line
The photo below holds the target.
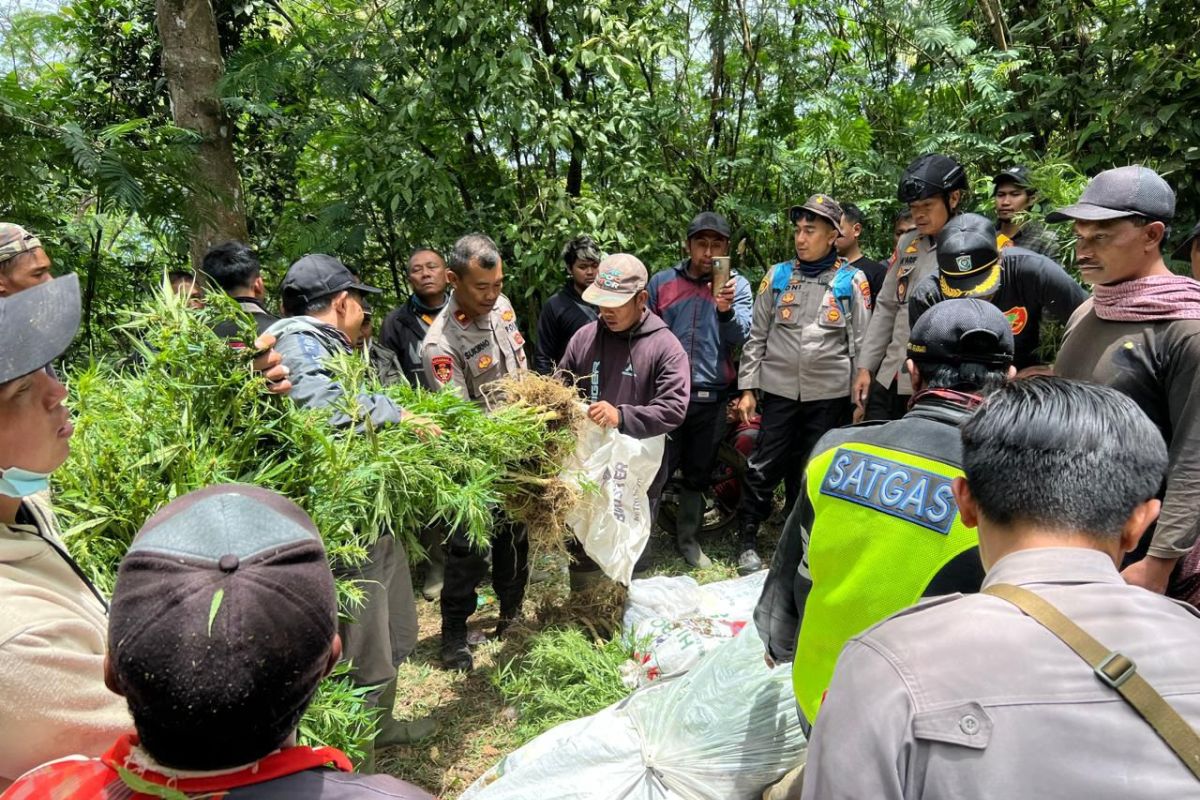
481,722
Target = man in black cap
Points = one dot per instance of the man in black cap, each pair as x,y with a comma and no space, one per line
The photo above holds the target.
708,326
1015,195
326,304
876,527
1140,334
234,268
932,186
1024,285
223,622
808,324
1189,250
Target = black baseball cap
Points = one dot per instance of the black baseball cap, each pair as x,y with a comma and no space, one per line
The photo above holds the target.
1018,174
37,325
962,331
1184,251
221,625
968,258
1121,192
823,206
930,175
708,221
318,275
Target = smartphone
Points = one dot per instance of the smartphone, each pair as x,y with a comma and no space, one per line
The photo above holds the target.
720,273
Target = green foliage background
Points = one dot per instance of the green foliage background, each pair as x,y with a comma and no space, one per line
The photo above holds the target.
365,128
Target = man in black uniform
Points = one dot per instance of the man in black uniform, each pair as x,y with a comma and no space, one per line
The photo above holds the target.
1021,283
235,269
849,233
1015,195
566,311
405,327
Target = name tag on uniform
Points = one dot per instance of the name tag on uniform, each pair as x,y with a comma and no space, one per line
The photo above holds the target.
900,490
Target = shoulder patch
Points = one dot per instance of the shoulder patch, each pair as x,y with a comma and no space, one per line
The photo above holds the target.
899,490
443,368
764,283
508,315
1018,317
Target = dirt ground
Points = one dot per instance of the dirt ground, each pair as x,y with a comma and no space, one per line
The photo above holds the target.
476,727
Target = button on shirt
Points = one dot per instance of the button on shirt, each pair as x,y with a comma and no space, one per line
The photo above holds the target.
966,697
885,346
468,354
799,345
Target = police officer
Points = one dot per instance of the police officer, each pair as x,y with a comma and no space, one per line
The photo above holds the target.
1024,285
932,186
990,694
806,328
876,526
1014,194
472,343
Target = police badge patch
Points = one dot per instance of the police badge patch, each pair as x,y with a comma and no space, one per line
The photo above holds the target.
443,368
484,362
963,263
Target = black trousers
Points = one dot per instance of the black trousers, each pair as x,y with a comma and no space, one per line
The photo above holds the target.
884,402
786,436
466,567
692,447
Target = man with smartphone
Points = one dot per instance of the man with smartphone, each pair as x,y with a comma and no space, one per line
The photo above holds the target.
709,324
807,327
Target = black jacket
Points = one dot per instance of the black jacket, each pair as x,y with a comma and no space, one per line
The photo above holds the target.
1030,284
402,332
1034,236
263,319
564,313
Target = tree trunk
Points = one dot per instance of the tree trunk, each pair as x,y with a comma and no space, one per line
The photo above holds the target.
193,66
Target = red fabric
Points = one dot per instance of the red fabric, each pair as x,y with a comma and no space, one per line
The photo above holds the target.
98,779
1156,299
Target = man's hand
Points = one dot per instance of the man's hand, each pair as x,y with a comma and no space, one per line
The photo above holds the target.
859,415
861,388
604,414
270,364
1152,573
424,427
746,405
769,661
725,296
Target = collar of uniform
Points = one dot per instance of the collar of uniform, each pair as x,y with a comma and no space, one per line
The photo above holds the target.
1054,565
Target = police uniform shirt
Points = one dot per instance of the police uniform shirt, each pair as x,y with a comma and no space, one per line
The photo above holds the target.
966,697
468,354
885,346
800,337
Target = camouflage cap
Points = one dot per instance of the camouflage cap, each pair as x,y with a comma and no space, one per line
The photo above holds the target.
15,240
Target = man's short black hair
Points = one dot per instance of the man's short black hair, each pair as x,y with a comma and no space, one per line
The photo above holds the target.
852,214
178,276
473,247
1063,455
296,307
581,248
964,377
904,216
423,249
804,215
232,266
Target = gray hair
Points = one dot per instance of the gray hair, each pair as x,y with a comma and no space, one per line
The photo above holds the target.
475,247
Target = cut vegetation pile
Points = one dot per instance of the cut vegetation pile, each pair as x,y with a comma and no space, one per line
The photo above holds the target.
184,411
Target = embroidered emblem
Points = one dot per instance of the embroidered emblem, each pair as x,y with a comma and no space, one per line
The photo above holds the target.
901,287
443,368
519,339
865,288
484,361
833,315
963,263
1018,318
787,297
507,316
785,313
462,317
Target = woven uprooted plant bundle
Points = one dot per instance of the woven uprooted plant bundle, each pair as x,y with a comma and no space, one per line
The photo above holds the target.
184,411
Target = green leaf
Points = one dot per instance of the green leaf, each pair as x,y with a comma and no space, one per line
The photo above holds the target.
218,596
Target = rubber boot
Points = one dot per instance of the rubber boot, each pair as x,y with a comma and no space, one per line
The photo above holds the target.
748,560
687,525
456,653
394,732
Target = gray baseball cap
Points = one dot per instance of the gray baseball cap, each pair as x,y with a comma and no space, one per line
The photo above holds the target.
1121,192
37,325
620,277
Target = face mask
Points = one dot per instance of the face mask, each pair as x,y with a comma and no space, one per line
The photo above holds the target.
17,482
